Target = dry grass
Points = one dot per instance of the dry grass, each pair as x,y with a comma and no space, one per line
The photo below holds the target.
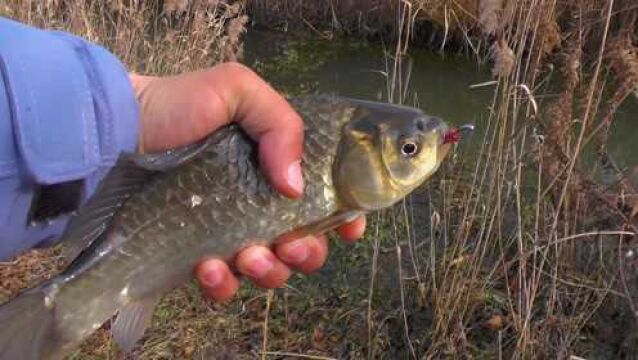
149,36
545,249
26,271
520,253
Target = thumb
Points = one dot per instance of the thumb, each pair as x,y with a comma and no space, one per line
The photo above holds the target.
279,157
270,120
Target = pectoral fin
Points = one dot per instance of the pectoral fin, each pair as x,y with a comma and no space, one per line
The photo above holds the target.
131,322
127,177
320,227
169,159
95,217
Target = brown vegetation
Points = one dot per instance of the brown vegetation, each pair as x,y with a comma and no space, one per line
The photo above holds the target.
151,37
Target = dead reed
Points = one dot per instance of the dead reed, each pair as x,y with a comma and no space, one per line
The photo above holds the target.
152,37
535,254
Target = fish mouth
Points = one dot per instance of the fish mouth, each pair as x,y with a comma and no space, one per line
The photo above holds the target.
454,135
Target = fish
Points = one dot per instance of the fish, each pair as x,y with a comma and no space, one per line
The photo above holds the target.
154,216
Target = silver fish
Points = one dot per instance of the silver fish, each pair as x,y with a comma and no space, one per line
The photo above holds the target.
155,216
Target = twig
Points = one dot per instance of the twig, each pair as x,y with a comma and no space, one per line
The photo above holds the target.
265,340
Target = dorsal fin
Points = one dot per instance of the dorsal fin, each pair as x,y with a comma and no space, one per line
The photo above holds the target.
129,175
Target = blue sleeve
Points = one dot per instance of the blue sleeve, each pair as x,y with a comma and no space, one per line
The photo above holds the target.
67,109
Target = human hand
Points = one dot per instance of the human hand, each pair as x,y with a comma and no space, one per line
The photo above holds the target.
179,110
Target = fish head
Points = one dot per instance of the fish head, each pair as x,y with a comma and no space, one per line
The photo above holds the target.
386,152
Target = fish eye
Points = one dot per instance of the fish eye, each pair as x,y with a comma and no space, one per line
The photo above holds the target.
409,148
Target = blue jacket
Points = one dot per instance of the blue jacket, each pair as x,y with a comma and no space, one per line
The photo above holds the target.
67,109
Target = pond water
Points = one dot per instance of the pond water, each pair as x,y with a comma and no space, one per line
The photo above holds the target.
439,85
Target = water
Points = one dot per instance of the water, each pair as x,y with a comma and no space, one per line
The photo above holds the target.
438,85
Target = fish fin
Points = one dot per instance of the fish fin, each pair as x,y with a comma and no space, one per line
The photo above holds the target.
331,222
321,226
96,216
166,160
131,322
27,326
128,176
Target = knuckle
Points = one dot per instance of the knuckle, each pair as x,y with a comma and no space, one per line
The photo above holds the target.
295,124
237,69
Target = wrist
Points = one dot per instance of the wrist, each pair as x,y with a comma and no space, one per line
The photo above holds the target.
139,83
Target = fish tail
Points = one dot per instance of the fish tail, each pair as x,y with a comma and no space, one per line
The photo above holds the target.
26,325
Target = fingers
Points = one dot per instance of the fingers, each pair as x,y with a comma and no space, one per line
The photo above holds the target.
352,231
271,270
306,254
269,119
257,263
216,280
262,267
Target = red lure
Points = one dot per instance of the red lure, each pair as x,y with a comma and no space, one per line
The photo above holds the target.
452,136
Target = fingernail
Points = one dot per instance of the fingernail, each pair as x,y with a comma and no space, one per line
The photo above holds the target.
297,252
295,179
259,267
212,278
